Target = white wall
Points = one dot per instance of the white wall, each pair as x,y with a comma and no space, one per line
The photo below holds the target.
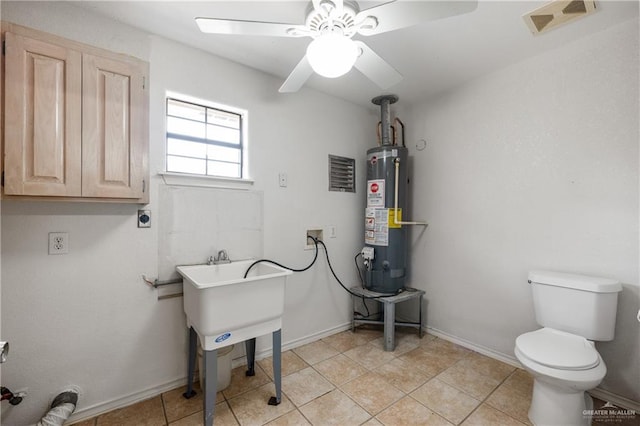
86,318
291,134
533,166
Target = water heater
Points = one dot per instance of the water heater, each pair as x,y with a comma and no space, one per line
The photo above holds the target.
385,250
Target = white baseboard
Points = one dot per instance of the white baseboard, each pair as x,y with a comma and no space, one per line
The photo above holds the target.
507,359
615,399
120,402
132,398
292,344
124,401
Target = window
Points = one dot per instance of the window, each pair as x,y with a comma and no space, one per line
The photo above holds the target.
204,140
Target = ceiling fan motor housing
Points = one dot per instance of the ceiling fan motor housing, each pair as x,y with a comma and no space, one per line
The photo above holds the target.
323,20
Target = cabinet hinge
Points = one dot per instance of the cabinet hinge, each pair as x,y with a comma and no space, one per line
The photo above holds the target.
144,83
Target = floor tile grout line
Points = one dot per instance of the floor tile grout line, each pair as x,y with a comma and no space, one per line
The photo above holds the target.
303,416
491,393
374,415
489,396
368,368
371,370
434,377
431,409
374,371
503,382
308,366
256,366
232,412
164,409
338,387
335,387
483,375
466,355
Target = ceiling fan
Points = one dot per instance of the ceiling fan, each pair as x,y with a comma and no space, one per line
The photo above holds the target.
332,24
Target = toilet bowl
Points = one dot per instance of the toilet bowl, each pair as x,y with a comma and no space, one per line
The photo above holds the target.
574,310
563,366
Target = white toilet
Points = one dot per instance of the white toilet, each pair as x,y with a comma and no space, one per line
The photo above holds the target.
574,310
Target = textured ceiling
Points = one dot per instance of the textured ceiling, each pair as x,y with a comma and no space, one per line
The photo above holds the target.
432,56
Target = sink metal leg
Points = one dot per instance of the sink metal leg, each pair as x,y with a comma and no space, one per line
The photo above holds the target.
420,333
250,349
389,326
277,367
353,314
210,385
193,350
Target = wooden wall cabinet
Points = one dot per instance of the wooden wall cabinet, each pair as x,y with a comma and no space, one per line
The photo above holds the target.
75,120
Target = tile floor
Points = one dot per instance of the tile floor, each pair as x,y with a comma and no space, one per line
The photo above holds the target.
348,379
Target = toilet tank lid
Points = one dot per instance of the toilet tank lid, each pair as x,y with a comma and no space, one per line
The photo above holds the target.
575,281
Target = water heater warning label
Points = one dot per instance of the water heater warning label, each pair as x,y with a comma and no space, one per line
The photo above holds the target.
376,226
375,193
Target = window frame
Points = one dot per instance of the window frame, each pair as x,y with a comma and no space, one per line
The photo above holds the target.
198,179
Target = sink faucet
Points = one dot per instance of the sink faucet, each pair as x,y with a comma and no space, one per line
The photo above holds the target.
222,257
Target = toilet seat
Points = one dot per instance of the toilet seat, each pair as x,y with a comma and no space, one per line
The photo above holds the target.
558,349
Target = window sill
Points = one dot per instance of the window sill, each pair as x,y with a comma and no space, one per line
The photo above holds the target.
185,179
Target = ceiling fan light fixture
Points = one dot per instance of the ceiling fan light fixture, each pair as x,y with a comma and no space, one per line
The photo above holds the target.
332,55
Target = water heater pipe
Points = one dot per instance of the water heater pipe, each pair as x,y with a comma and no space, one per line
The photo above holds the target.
395,199
385,116
395,136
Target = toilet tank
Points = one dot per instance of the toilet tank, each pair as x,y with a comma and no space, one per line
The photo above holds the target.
577,304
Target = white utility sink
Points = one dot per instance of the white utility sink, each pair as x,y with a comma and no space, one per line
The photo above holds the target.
225,308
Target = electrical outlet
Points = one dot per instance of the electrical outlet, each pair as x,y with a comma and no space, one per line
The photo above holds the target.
282,180
58,243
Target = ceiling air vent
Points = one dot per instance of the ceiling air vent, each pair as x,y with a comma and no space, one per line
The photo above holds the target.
557,13
342,174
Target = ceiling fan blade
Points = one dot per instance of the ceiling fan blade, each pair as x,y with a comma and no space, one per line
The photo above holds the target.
233,26
401,14
298,77
317,5
376,68
339,5
328,7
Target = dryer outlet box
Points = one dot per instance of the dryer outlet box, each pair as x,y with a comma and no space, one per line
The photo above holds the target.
144,218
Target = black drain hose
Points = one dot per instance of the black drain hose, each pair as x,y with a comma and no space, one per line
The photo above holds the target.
315,257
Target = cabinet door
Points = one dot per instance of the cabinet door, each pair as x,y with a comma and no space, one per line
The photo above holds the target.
42,118
114,126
